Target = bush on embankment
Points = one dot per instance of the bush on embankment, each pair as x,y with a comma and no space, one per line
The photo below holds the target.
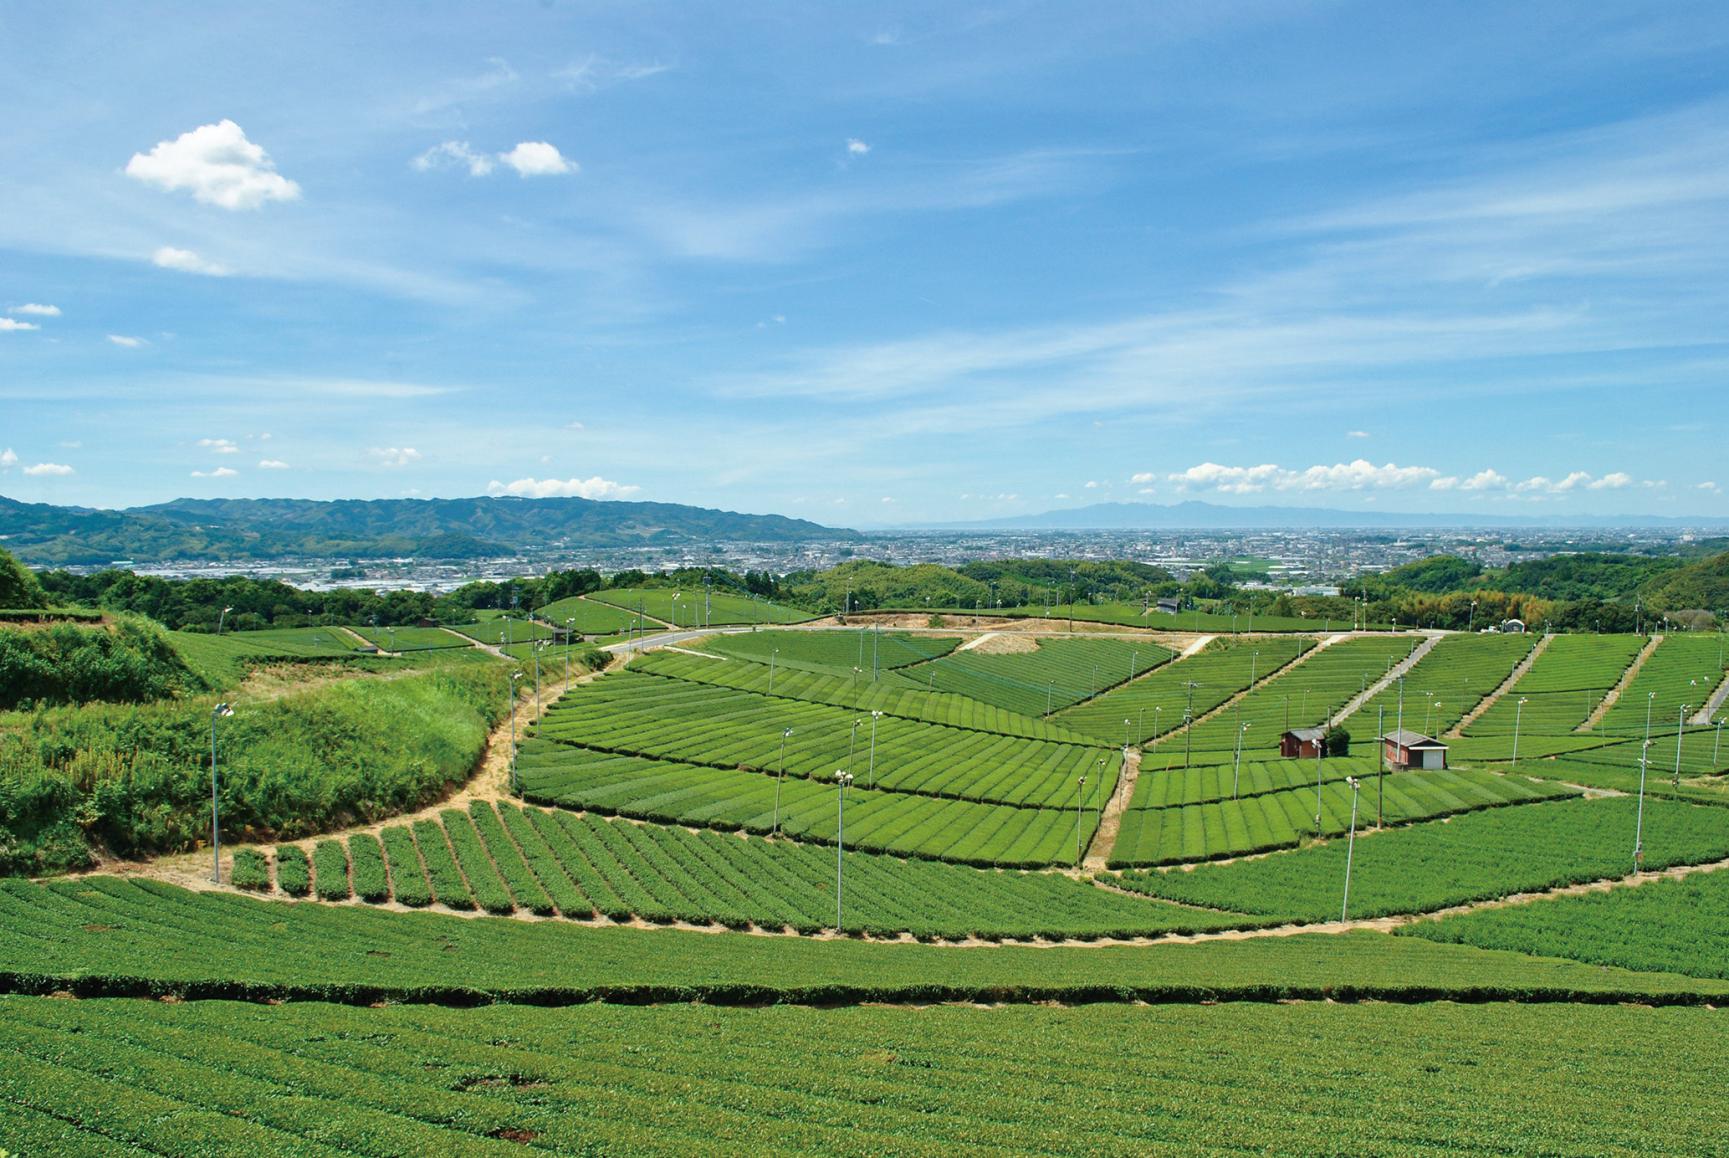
135,780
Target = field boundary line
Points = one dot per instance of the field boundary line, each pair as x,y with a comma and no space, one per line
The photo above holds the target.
1506,685
1263,681
1398,670
1104,840
1613,695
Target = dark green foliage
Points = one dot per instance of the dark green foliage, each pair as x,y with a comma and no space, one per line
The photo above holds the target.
366,863
1702,584
330,870
19,587
1679,926
232,1078
407,875
448,887
1476,857
251,870
1436,575
293,872
1336,742
490,891
137,779
509,861
105,935
130,661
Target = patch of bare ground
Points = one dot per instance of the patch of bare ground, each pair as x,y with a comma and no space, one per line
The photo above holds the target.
1489,701
1621,685
1111,820
1000,643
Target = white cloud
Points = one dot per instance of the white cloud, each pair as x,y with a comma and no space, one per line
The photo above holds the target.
1144,476
187,261
886,499
70,444
537,159
450,153
856,147
9,459
1356,434
394,455
1092,484
219,472
14,324
217,165
1356,475
1708,487
574,425
1613,481
127,341
36,309
586,488
219,445
1537,486
1061,495
272,464
55,469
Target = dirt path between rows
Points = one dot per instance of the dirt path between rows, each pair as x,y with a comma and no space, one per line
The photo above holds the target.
1111,820
1713,705
1490,700
1621,685
1260,682
1399,669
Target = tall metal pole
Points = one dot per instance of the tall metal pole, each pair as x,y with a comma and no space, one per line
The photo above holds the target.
1518,712
1080,790
216,713
772,656
1350,847
852,743
875,716
1380,763
1320,747
1237,769
1639,824
779,779
1680,722
842,779
515,785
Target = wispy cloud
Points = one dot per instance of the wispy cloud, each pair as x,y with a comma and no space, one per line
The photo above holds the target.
272,464
393,456
186,261
219,445
49,470
13,325
36,309
127,341
595,72
219,472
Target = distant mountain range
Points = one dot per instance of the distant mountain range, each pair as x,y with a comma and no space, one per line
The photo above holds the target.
228,529
1195,515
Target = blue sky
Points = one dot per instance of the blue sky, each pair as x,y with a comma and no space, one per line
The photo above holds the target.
869,264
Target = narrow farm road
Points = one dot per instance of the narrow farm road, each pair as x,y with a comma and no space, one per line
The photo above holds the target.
1324,643
1386,681
1714,705
1621,685
1490,700
1198,645
1111,821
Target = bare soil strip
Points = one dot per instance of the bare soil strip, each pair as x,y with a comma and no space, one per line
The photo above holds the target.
1621,685
1385,681
1111,822
1714,705
1490,700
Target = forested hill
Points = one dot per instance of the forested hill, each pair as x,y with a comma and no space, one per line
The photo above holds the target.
44,534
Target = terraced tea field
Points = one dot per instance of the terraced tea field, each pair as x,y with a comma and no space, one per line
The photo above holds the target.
1304,696
890,694
1476,857
1278,820
643,715
583,867
933,827
1054,674
831,652
1445,684
1684,670
1155,703
691,608
411,638
1563,688
586,616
